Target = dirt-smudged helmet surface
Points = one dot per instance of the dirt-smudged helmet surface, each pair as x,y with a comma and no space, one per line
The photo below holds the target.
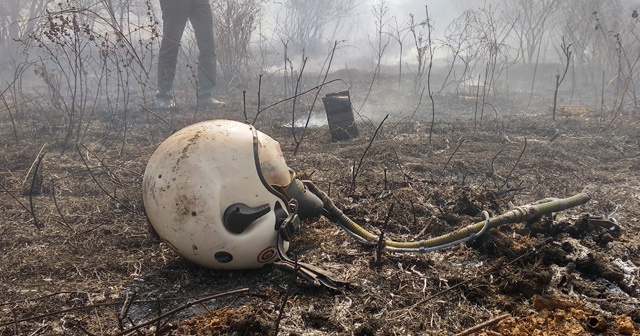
208,194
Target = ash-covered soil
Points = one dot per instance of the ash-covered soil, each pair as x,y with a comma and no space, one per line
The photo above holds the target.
77,258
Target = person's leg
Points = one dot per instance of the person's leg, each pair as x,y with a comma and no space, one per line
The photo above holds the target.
202,21
174,18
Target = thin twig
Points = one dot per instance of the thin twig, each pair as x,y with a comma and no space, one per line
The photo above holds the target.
98,183
55,202
413,212
475,113
148,111
124,312
168,317
566,50
380,245
259,98
459,284
77,325
483,325
431,297
282,306
107,304
63,311
357,168
286,296
495,110
33,164
404,175
14,198
183,307
6,104
302,93
36,222
12,303
15,322
506,180
244,106
315,99
493,174
295,101
451,157
429,69
385,177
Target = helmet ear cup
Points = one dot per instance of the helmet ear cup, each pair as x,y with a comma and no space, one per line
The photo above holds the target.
239,216
309,205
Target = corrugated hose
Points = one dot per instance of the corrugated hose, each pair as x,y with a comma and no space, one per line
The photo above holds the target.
516,215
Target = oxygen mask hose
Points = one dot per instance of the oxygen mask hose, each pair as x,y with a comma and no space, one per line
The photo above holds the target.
516,215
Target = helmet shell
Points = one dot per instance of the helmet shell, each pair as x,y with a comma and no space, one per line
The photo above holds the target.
199,172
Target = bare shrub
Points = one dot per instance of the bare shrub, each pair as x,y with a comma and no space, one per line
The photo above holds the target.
234,23
305,22
89,63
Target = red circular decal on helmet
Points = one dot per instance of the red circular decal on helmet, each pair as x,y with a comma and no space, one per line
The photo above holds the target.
267,254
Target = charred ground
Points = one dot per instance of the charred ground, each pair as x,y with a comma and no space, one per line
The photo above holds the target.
75,245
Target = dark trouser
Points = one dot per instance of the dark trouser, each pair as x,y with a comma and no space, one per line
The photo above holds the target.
175,14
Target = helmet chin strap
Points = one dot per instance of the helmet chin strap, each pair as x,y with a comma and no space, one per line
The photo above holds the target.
288,226
309,273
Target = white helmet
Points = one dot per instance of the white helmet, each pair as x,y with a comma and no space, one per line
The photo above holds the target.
212,191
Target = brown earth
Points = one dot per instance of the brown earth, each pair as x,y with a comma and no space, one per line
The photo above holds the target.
77,259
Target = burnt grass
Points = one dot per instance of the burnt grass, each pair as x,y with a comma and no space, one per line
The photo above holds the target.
77,258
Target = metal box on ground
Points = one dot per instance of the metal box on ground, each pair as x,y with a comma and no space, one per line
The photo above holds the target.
340,116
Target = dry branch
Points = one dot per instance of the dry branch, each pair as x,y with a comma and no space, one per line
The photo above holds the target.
183,307
483,325
356,168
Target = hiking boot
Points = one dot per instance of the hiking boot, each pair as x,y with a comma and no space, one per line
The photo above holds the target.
209,102
165,102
